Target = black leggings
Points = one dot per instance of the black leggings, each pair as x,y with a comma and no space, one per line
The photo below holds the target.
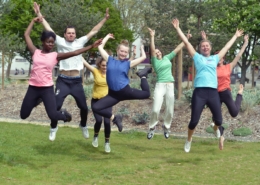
233,106
113,97
71,86
98,118
47,95
201,97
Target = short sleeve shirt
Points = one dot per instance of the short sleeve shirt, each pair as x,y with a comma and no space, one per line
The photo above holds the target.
100,88
206,72
223,73
43,64
117,73
163,68
63,46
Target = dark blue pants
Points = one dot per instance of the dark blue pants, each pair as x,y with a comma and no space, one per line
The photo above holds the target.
201,97
47,95
98,118
113,97
71,86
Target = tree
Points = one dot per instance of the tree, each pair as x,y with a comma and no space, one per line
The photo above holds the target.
132,13
84,15
245,15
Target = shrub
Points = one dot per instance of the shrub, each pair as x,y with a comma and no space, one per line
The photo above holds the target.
251,97
88,91
123,111
243,131
188,94
209,129
141,118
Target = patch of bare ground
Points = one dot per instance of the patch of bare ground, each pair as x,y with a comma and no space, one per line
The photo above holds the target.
12,96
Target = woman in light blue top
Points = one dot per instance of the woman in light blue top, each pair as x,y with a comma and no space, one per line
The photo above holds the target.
205,84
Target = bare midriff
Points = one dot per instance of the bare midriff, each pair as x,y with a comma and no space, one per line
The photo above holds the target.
70,73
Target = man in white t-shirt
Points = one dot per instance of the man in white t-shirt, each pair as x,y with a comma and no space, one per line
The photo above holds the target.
69,81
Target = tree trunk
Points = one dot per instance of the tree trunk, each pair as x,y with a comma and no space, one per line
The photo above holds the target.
253,76
8,69
180,61
3,70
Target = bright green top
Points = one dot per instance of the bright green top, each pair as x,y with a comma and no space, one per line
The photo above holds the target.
163,68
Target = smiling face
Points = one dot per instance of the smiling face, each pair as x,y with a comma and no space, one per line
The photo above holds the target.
48,44
205,48
70,34
158,54
122,52
103,66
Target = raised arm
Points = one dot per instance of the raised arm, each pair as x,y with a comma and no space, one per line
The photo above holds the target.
181,45
27,37
152,44
96,29
140,59
101,49
191,50
45,24
133,53
228,45
87,65
62,56
236,59
203,35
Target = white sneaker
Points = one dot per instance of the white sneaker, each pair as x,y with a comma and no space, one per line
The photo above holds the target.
107,148
53,132
84,131
166,132
150,133
216,132
95,142
187,146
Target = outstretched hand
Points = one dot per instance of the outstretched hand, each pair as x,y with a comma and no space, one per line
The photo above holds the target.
246,38
110,36
152,32
203,35
239,33
97,43
175,23
107,14
36,8
37,19
188,35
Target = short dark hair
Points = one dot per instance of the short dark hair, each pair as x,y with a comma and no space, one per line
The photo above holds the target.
47,34
65,30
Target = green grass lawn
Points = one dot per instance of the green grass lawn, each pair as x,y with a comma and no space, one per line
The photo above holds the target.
28,157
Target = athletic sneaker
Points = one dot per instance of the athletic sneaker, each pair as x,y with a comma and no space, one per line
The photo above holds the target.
84,131
118,122
150,133
187,146
166,132
95,142
53,132
216,132
107,148
67,115
144,72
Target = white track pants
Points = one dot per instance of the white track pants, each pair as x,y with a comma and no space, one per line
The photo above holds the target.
161,91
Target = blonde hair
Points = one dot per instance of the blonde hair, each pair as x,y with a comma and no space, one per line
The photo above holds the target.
123,43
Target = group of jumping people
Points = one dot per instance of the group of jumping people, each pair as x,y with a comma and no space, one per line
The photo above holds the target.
111,82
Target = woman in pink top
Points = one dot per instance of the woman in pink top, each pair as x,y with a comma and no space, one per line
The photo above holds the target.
40,82
224,89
